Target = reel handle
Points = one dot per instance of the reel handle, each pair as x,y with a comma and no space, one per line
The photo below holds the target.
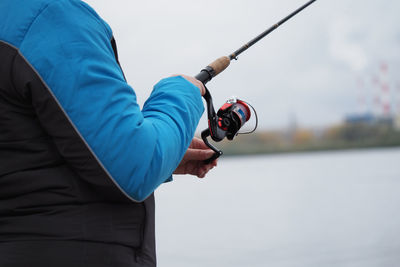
217,154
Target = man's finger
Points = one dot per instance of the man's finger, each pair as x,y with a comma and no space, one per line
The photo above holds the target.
198,143
198,154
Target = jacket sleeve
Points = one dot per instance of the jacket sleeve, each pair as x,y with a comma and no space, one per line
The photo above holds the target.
69,47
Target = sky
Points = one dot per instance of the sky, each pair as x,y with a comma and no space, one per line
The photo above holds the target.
313,70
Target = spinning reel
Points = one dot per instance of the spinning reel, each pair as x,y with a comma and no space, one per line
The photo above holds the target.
227,122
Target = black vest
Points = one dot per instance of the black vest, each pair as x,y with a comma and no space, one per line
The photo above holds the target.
58,207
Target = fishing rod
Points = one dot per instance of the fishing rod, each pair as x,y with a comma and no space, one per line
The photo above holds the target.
235,112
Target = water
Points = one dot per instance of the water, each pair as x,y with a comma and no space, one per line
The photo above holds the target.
296,210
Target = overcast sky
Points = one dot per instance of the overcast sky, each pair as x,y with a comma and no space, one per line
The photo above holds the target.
309,69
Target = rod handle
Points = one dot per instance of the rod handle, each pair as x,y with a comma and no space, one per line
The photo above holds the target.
213,69
220,65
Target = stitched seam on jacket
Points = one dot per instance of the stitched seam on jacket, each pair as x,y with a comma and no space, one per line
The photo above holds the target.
32,22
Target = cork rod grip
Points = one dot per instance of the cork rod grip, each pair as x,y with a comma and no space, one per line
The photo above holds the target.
220,65
213,69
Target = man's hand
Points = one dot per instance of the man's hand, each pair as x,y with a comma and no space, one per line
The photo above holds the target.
194,81
193,161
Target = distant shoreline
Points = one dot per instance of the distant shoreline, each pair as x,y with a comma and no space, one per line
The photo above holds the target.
340,137
228,153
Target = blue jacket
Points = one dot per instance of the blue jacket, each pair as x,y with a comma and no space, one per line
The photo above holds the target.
69,46
77,155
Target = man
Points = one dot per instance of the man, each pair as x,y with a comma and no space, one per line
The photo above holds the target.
79,160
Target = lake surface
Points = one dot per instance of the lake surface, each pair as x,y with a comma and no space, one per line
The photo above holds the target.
328,209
